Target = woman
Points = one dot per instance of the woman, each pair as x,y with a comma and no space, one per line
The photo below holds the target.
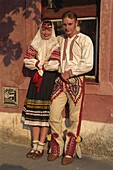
42,57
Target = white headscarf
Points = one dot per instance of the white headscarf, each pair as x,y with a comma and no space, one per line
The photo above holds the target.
43,47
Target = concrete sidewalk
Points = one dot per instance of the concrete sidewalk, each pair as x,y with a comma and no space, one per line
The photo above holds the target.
12,157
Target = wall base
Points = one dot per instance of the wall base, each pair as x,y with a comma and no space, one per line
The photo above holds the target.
97,137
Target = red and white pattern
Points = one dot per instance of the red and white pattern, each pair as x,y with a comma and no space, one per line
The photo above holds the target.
75,90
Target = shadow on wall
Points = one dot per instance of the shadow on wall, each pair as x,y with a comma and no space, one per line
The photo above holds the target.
9,49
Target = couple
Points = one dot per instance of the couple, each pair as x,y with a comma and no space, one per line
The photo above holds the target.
58,65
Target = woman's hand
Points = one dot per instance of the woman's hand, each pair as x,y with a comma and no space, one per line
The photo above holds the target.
46,62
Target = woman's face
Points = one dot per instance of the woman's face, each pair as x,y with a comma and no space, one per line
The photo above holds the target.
46,31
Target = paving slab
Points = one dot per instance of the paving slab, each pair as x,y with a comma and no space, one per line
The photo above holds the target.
13,157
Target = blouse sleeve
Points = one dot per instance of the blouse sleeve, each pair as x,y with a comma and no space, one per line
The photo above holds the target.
29,58
54,61
30,53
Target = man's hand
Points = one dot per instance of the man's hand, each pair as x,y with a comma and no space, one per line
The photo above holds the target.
65,76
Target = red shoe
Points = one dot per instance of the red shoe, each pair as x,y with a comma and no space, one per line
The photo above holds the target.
37,154
52,157
30,153
67,160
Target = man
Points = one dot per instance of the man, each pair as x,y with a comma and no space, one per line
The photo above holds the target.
76,60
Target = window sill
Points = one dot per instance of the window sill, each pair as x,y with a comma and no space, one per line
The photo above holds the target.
91,80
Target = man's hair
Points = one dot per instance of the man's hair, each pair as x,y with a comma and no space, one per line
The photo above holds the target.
70,14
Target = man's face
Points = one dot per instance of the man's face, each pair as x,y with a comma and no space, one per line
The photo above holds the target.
69,26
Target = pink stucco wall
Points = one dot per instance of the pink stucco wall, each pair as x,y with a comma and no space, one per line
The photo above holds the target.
99,97
20,21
